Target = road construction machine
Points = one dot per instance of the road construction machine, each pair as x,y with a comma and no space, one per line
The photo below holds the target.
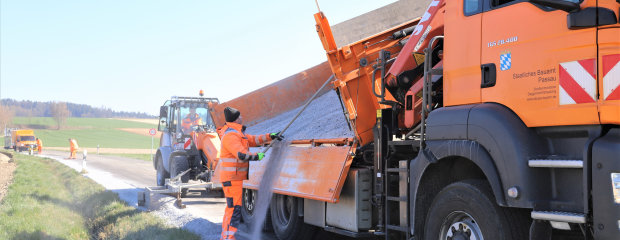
483,119
188,149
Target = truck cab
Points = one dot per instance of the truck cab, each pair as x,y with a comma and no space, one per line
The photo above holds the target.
20,140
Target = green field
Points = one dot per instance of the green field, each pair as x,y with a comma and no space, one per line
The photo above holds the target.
100,123
48,200
89,132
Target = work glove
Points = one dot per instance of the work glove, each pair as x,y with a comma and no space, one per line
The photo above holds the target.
260,155
275,136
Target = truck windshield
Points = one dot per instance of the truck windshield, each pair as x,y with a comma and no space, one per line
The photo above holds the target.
26,138
192,117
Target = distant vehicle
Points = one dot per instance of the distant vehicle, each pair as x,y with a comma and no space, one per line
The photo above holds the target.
20,140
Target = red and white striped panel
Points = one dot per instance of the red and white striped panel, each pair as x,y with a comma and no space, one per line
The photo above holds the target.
188,143
611,77
578,82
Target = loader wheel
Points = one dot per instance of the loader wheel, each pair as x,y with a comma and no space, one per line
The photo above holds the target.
162,174
249,199
286,220
467,210
178,165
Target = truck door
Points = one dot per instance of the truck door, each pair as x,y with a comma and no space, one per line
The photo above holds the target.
609,63
462,52
541,69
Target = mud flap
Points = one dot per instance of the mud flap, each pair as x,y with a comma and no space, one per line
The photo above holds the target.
316,173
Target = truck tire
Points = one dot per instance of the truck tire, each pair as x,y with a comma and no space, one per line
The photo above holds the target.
162,174
286,220
248,199
177,166
467,210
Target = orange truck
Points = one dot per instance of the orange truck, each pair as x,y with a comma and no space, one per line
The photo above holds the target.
483,119
20,140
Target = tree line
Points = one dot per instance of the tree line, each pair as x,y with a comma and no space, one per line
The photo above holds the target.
28,108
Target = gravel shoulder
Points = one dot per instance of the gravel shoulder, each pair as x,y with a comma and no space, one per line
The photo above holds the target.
6,174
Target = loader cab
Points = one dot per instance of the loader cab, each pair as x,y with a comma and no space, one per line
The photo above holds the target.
182,115
192,116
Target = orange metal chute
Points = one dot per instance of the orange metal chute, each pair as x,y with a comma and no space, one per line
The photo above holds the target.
309,172
355,80
210,144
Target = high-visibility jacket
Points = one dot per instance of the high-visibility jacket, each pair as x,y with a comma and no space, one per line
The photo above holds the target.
191,120
235,155
39,143
74,145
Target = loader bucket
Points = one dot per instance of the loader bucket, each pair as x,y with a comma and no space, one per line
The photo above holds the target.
276,98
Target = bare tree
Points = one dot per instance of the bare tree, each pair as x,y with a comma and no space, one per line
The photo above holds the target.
60,113
6,116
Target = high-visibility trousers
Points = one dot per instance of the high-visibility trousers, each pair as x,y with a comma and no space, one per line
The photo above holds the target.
73,153
233,190
39,148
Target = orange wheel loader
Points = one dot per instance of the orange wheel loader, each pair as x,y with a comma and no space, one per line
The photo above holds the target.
188,149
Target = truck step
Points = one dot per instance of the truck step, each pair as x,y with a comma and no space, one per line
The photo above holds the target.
553,163
396,170
397,199
559,216
397,228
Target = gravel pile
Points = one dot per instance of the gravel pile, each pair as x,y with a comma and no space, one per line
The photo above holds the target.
323,118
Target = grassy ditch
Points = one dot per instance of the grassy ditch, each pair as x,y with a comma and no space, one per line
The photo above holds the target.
48,200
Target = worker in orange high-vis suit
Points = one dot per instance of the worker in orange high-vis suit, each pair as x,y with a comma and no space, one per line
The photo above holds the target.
73,147
234,158
190,120
39,145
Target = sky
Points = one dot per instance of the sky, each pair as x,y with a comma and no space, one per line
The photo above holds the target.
132,55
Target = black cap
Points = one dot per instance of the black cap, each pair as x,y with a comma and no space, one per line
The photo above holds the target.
231,114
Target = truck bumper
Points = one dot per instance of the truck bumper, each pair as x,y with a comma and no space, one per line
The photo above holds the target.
605,162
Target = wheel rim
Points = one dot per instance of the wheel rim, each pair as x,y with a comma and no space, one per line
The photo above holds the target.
284,204
460,226
249,199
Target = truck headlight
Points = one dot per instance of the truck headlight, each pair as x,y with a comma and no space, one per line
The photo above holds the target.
615,185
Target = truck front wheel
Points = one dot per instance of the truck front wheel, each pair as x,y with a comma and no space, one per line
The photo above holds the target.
286,220
162,174
179,165
467,210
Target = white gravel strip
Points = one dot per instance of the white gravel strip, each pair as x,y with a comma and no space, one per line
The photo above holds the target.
161,205
323,118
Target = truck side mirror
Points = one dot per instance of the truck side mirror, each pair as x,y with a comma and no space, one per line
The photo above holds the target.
563,5
163,111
